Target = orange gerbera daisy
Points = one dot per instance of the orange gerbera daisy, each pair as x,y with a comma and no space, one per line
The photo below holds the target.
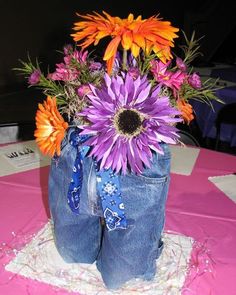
186,110
150,34
50,127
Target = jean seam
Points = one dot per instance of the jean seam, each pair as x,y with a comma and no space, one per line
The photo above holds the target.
89,187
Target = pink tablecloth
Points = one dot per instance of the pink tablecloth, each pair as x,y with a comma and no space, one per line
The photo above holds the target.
195,208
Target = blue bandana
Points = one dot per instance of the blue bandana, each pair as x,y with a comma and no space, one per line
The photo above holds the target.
108,187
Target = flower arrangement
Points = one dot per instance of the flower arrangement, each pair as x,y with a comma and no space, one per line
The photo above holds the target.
128,101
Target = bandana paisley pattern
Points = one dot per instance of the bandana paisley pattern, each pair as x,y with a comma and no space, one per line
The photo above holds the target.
108,187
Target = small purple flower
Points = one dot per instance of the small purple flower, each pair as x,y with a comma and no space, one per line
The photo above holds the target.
134,72
78,56
131,63
128,119
195,81
180,64
64,73
95,66
83,90
34,77
68,49
164,76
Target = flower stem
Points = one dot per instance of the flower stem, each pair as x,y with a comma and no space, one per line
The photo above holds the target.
124,61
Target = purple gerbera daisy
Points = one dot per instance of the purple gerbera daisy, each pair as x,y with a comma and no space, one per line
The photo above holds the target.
128,119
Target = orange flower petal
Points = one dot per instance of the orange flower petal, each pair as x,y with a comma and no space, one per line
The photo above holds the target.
186,110
130,17
110,64
135,50
50,127
127,40
139,40
133,34
112,48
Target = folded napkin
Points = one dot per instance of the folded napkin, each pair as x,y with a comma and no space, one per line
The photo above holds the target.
227,184
21,157
183,159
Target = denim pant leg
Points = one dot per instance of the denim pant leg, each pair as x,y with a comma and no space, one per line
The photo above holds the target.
132,253
77,237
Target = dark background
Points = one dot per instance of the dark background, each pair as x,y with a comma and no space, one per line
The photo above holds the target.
41,28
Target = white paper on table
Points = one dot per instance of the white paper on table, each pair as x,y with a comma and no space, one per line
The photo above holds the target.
183,159
227,184
39,260
21,157
25,156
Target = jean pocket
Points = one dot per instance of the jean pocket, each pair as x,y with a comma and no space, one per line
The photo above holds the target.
144,197
143,180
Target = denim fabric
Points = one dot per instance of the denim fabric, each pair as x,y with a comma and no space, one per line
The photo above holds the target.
122,254
77,237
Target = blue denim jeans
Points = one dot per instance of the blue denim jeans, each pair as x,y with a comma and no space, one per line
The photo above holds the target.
121,254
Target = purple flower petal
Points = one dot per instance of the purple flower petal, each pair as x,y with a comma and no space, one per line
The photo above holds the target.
118,148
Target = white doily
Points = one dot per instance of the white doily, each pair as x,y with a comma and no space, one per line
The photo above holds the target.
39,260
